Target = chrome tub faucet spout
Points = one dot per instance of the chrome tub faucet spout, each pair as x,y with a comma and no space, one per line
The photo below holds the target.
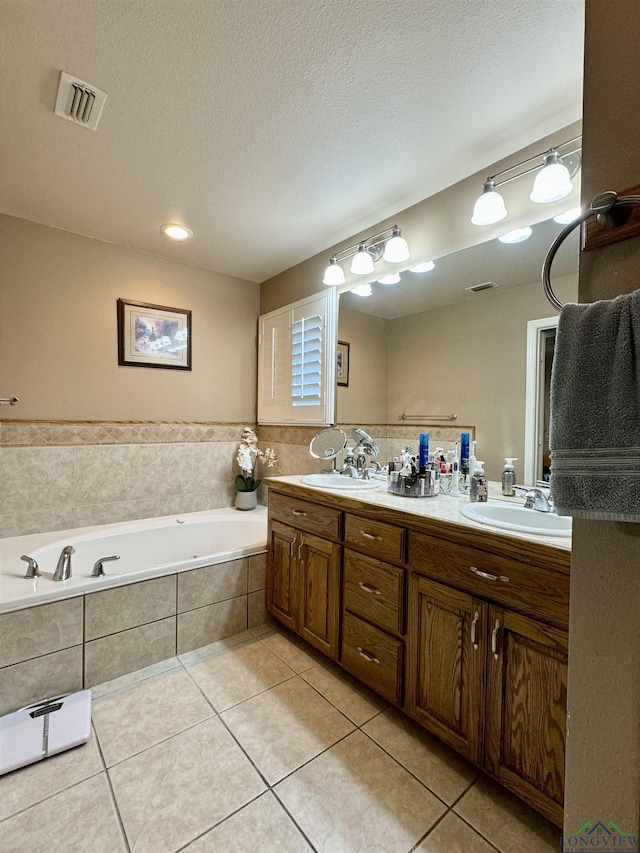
63,569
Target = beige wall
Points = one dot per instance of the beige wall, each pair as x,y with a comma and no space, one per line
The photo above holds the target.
603,744
435,227
364,401
58,342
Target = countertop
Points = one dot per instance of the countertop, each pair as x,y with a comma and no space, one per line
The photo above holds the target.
441,508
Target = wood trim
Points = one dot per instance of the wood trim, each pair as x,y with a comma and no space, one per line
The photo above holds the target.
595,237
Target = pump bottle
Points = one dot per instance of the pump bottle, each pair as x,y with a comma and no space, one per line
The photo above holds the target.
509,476
478,490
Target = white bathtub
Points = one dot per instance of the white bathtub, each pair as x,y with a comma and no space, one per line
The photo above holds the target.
147,548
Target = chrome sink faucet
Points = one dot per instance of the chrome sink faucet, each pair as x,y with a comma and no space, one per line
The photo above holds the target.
535,499
63,569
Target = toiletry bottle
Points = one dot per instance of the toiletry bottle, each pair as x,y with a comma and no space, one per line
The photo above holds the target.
509,476
478,491
454,491
472,459
464,453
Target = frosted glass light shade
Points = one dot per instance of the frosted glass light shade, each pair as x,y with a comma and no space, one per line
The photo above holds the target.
489,208
394,278
396,249
362,290
176,232
553,182
362,263
334,274
568,216
426,266
517,236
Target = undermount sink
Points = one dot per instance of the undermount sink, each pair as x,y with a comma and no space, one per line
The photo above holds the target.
338,481
509,517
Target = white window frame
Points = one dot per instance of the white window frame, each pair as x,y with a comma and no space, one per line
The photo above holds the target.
275,350
533,396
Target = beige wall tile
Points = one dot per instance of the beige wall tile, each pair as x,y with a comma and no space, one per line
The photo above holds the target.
89,515
165,470
214,462
118,654
208,624
36,478
258,608
107,474
257,572
40,521
128,606
40,630
158,507
209,584
40,678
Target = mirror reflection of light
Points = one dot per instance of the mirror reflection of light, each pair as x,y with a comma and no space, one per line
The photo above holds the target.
362,290
568,216
427,266
394,278
516,236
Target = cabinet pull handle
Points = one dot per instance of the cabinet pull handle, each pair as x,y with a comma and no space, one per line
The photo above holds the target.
488,576
291,544
474,638
367,655
300,547
298,512
369,587
371,536
494,639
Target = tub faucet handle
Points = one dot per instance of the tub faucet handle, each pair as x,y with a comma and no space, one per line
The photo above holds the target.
63,569
32,569
98,568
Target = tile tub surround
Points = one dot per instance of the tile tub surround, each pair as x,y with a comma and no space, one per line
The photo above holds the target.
98,636
58,476
178,755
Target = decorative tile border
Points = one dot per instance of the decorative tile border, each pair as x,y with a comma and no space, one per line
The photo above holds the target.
405,432
76,433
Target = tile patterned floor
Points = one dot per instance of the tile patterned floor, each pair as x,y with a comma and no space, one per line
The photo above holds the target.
258,744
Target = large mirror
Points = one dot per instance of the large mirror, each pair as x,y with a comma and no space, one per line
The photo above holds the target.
454,340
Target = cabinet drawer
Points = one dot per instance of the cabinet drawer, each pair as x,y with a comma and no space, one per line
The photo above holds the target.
373,657
305,515
534,590
375,537
374,590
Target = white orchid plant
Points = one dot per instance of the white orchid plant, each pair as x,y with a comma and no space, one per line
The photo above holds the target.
248,456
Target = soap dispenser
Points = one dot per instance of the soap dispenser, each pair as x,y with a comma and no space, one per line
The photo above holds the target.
478,491
509,476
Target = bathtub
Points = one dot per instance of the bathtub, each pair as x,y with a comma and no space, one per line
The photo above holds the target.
147,548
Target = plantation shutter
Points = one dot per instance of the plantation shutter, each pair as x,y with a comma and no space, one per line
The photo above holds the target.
306,361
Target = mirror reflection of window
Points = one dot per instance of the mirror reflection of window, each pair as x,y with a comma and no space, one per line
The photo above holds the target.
548,344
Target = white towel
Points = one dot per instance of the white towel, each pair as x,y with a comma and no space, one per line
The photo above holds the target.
595,410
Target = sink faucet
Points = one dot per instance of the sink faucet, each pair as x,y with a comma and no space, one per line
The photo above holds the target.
350,470
535,499
63,569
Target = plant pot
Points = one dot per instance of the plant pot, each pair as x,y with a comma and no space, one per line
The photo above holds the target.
246,500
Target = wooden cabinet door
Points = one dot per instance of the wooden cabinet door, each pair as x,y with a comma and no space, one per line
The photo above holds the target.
282,592
445,670
318,592
526,709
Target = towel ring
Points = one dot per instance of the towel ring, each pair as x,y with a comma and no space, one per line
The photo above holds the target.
600,207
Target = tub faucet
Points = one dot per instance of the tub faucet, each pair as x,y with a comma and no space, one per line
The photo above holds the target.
32,568
98,568
63,569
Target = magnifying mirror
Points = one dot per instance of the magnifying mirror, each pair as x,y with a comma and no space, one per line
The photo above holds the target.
363,439
328,443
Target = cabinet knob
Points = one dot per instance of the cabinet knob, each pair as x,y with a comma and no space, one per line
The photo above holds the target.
367,655
488,576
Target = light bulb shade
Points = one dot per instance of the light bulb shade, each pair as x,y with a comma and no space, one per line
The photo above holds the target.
394,278
568,216
362,263
517,236
362,290
334,274
396,249
552,182
489,208
425,266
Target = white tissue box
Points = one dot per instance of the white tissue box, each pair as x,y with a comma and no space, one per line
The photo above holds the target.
44,729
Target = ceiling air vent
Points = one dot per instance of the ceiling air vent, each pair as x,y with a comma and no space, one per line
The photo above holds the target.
79,102
478,288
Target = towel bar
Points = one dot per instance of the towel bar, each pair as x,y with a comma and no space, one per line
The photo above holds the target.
600,207
451,417
10,400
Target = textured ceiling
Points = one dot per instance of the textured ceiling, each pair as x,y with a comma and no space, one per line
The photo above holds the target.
272,128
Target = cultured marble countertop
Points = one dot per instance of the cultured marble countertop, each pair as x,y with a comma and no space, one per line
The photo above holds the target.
441,507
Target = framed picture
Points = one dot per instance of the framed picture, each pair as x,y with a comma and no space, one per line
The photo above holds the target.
153,336
342,363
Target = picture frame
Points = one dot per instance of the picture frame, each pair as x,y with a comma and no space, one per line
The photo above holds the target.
342,363
153,336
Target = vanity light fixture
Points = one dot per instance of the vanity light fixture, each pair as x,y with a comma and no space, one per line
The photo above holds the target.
426,266
176,232
362,290
568,216
552,182
394,278
517,236
388,244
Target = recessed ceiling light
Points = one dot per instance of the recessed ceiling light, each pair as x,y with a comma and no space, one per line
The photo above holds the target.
427,266
176,232
568,216
362,290
517,236
394,278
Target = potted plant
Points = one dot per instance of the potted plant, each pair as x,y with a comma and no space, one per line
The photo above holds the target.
249,454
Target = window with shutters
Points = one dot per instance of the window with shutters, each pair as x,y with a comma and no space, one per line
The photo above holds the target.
296,362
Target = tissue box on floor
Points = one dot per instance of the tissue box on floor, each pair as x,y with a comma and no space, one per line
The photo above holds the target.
44,729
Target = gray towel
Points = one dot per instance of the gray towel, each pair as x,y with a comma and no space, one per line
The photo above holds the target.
595,410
